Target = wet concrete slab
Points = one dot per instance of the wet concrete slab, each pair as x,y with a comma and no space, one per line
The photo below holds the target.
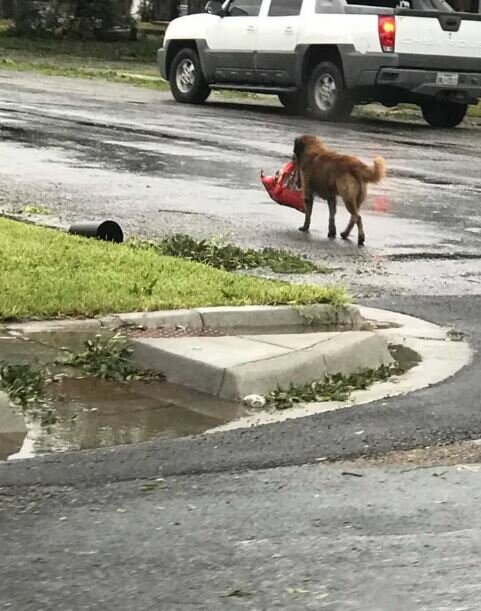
233,367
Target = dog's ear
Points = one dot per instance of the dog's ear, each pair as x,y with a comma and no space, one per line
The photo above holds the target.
298,147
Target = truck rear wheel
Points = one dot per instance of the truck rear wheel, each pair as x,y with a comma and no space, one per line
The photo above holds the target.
187,83
328,98
443,114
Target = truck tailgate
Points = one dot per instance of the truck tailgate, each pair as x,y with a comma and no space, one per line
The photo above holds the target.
456,35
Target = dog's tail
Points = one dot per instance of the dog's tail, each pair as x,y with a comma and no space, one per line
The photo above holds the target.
376,172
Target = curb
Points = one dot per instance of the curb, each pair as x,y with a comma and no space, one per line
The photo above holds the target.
43,220
235,366
319,315
440,357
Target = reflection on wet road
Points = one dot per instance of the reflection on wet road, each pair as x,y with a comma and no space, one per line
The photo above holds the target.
102,150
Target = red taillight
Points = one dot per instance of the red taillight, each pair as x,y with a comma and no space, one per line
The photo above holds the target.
387,33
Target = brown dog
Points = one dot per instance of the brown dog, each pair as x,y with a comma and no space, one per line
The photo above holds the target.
325,173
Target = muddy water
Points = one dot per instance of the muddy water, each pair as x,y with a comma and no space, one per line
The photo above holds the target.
94,413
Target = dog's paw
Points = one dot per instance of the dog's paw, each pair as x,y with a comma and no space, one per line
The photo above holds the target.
360,241
304,229
331,235
344,235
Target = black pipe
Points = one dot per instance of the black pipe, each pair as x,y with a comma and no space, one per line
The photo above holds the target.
108,231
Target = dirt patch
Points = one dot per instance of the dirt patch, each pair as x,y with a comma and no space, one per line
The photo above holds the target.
173,332
464,452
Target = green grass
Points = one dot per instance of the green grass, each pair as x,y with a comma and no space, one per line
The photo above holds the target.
122,62
107,73
141,51
47,274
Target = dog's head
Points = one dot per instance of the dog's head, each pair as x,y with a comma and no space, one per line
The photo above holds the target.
303,144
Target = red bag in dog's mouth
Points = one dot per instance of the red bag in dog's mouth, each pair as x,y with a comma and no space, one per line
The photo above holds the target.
282,187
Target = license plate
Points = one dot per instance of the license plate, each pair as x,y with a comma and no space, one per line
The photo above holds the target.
447,78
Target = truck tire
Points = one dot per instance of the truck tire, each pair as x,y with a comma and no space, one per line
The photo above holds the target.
187,83
294,103
328,98
443,114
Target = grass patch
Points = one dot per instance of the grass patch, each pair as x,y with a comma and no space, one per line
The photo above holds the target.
46,274
109,358
142,51
403,112
332,388
121,62
129,75
218,253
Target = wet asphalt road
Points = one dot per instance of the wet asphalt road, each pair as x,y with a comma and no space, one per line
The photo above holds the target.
292,538
95,150
296,537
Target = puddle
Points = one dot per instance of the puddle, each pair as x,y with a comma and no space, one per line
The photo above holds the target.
404,356
94,413
427,256
18,349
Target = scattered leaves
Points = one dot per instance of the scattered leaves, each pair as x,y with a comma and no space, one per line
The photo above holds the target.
158,484
109,358
332,388
217,253
456,336
24,385
31,210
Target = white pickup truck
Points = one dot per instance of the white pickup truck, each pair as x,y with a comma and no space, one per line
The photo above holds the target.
324,56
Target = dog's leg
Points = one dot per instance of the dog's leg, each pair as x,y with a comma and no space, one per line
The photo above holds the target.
360,231
308,203
352,221
331,202
351,208
355,220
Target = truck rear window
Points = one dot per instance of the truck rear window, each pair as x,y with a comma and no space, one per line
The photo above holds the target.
327,6
323,6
